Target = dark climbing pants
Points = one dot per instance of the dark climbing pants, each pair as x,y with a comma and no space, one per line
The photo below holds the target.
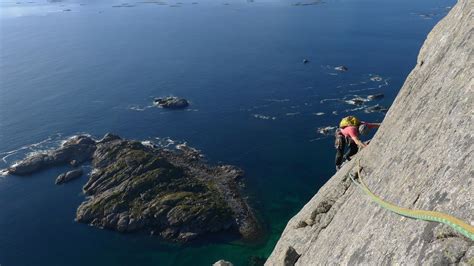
341,143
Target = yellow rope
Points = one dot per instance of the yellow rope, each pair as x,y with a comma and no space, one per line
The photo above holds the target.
455,223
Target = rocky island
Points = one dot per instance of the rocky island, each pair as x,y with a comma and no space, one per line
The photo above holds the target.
140,187
171,102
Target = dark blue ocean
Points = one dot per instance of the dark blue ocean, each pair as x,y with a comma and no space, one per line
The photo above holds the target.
69,67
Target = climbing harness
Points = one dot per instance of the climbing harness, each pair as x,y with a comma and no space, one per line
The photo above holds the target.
433,216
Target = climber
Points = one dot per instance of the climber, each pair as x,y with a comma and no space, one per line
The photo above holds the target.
348,135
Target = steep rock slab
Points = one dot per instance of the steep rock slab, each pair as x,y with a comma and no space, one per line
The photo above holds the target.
421,158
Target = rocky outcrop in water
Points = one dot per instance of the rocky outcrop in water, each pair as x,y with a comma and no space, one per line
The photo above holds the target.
359,101
327,131
136,187
376,96
171,102
68,176
341,68
376,109
420,158
222,263
74,151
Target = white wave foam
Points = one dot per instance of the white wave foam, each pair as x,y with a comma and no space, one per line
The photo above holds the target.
375,78
316,139
292,114
140,108
327,100
166,142
8,153
319,113
264,117
3,172
187,149
357,100
184,146
385,83
94,171
4,158
257,107
23,151
277,100
181,146
148,143
366,89
62,142
329,130
355,109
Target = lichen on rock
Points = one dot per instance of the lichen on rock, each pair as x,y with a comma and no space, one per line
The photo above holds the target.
136,187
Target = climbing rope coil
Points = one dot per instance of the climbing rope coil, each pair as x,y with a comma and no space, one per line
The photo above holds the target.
433,216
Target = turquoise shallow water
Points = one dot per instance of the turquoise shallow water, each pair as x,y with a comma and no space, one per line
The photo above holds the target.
96,68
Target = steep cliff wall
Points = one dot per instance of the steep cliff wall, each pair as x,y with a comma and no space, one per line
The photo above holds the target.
421,157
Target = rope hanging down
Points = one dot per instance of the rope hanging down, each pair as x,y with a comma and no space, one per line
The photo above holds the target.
433,216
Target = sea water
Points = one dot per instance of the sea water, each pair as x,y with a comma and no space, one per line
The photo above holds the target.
69,67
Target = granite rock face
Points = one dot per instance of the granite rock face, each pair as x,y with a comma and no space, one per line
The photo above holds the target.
420,158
